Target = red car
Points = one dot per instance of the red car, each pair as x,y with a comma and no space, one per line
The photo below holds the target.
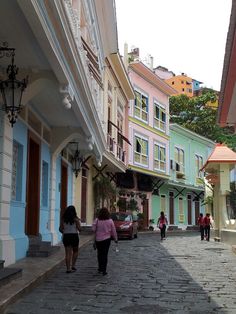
126,225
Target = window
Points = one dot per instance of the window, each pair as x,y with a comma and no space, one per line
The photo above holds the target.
159,117
198,166
17,165
141,151
45,184
182,82
182,89
159,158
141,106
173,83
179,159
163,203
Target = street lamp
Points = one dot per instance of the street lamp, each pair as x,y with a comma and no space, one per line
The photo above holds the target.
77,162
11,88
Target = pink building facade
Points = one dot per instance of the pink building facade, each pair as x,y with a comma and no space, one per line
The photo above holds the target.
148,155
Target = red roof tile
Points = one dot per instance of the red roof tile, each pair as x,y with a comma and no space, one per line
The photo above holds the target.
221,154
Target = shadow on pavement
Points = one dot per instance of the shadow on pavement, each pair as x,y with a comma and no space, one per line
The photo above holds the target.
143,277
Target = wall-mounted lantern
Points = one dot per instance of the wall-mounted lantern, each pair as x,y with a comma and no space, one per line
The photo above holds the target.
11,88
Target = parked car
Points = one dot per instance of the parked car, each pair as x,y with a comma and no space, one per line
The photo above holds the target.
126,224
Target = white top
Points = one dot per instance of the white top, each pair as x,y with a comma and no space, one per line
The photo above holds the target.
68,228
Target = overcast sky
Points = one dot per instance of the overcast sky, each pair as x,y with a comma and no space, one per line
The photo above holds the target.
183,35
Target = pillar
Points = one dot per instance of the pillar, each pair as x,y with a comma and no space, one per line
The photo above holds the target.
7,243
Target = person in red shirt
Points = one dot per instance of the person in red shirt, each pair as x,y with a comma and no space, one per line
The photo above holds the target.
207,226
200,223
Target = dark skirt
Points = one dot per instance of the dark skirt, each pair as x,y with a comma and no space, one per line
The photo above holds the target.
71,239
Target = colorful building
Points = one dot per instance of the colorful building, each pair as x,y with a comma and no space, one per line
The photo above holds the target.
148,161
77,88
181,197
227,101
183,84
220,170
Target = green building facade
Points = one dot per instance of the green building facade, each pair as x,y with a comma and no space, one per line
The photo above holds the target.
182,196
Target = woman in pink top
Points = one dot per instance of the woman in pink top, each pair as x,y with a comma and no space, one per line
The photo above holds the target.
104,229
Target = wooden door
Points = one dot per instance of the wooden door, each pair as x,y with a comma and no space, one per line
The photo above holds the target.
189,197
197,210
64,181
171,208
145,213
33,187
84,195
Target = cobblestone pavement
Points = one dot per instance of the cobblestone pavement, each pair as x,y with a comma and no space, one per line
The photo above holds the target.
180,275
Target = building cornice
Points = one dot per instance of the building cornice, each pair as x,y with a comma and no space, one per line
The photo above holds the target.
149,128
183,131
147,171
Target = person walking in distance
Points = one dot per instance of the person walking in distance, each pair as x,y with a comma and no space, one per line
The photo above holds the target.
200,223
105,230
207,226
70,227
162,222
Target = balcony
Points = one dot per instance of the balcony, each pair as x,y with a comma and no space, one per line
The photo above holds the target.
115,149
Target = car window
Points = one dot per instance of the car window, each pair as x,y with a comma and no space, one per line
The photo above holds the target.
121,217
128,218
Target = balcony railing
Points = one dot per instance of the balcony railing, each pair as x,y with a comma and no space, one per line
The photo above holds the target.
115,149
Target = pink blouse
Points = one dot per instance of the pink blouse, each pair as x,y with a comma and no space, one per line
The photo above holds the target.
104,229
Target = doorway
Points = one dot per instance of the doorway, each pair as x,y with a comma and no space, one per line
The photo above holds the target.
171,208
189,198
33,187
84,195
197,210
145,213
63,187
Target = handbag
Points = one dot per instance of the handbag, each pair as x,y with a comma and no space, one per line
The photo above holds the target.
94,241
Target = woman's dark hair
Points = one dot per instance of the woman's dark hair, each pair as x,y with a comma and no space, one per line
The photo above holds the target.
69,215
162,214
103,214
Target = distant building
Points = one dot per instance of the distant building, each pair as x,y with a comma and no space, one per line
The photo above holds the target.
163,72
183,84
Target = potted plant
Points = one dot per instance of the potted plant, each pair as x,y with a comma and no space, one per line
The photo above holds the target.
151,225
140,221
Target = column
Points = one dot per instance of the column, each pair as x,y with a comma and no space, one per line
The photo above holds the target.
7,243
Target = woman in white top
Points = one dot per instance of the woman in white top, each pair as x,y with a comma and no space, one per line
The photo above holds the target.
70,227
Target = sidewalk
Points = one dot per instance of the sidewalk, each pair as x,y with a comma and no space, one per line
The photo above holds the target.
34,271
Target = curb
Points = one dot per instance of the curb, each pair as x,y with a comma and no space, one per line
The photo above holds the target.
33,283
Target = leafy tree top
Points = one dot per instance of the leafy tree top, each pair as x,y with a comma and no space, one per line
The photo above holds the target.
195,115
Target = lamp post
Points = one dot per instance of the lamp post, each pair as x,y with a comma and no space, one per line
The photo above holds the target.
11,88
77,161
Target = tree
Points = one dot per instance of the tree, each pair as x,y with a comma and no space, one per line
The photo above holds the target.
196,115
104,192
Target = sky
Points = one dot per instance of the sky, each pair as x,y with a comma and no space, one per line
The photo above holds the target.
182,35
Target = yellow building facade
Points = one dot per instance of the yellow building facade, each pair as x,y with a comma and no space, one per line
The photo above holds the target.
182,84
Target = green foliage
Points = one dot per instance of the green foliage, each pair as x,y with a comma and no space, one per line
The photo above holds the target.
122,204
195,115
133,205
140,215
104,191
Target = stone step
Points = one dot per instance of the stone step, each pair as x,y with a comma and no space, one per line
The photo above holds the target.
42,252
7,274
2,263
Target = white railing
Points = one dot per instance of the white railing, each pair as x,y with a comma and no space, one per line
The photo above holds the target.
115,149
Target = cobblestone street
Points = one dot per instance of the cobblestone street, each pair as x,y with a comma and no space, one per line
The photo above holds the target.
179,275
